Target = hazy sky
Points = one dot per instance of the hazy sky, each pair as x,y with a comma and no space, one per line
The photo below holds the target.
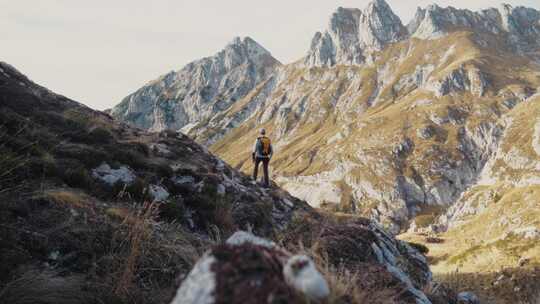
99,51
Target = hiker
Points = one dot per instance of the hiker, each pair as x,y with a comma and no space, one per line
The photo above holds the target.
262,152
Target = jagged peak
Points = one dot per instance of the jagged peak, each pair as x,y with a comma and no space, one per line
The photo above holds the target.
247,48
433,7
353,34
377,4
413,25
248,44
434,21
243,41
506,6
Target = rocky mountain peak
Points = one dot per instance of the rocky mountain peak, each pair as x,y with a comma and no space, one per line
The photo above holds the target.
247,49
200,90
520,24
380,25
353,34
413,25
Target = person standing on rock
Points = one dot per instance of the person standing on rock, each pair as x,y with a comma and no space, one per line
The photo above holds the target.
262,153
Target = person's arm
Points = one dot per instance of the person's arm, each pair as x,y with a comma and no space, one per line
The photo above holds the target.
254,149
271,151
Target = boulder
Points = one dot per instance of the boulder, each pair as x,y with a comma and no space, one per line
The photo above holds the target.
249,269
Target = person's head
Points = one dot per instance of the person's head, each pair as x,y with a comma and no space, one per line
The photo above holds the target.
263,131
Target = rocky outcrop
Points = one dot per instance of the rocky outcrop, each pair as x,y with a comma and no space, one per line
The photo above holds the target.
200,90
363,242
460,80
354,34
503,155
248,269
519,26
246,261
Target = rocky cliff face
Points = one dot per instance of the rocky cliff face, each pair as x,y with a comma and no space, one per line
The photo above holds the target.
353,34
200,90
519,26
401,137
96,211
395,123
494,223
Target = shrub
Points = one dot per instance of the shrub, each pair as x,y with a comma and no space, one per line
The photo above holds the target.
131,158
89,156
172,210
137,191
99,136
78,177
142,148
163,170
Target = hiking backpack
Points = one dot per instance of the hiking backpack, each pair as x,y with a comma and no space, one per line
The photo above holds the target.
265,145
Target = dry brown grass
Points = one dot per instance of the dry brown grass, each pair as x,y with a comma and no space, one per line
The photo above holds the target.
10,162
506,286
138,232
343,283
346,285
67,198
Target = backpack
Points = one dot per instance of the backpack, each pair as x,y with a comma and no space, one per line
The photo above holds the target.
265,145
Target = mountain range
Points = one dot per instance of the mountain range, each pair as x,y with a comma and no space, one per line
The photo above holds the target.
96,211
426,127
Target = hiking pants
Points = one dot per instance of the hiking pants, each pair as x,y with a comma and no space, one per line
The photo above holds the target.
265,162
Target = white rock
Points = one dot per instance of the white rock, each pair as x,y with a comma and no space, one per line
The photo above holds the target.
242,237
180,180
536,138
111,176
158,193
221,190
530,232
199,285
300,273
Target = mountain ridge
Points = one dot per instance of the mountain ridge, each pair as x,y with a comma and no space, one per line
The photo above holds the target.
96,211
200,89
463,59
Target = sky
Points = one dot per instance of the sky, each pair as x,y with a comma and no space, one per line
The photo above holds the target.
97,52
